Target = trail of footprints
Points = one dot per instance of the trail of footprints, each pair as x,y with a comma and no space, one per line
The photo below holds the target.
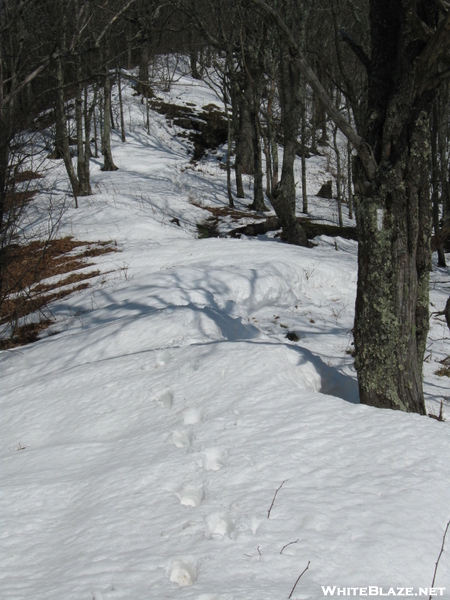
183,571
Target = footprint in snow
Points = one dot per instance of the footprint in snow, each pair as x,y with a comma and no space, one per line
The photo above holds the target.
166,399
213,458
219,524
163,358
183,571
191,495
192,416
181,439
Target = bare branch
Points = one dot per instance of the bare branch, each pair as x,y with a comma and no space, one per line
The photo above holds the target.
421,29
26,81
444,6
436,48
364,151
273,501
439,557
298,579
112,21
357,49
290,544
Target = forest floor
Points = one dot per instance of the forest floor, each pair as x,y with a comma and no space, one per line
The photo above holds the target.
188,426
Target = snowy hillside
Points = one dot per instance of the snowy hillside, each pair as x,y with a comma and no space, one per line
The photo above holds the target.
145,436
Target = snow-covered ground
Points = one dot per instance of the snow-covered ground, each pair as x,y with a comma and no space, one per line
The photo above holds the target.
144,441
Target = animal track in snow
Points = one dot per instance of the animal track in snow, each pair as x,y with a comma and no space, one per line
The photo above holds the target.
192,416
183,571
219,523
214,458
191,495
247,524
181,439
166,399
163,358
190,367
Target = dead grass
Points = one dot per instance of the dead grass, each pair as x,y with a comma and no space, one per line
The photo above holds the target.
223,211
26,268
18,199
440,417
444,371
26,176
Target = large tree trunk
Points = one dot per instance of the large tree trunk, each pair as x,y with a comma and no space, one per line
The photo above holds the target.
394,219
391,318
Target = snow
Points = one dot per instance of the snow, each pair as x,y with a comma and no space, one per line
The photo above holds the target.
145,437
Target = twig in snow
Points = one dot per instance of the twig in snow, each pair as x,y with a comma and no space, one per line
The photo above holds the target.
439,557
286,545
259,551
275,495
298,579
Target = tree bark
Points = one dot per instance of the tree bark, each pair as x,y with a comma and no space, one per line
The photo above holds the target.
258,189
122,120
303,152
244,141
106,145
81,114
338,175
391,315
62,140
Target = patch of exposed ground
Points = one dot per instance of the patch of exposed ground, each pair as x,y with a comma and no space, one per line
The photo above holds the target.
209,227
206,129
35,274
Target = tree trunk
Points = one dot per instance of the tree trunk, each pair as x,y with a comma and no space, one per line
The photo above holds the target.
258,189
292,231
143,86
193,57
349,180
268,157
62,140
94,114
84,187
88,112
444,135
291,111
235,107
435,181
303,153
229,148
107,154
122,120
338,175
391,315
244,145
394,214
